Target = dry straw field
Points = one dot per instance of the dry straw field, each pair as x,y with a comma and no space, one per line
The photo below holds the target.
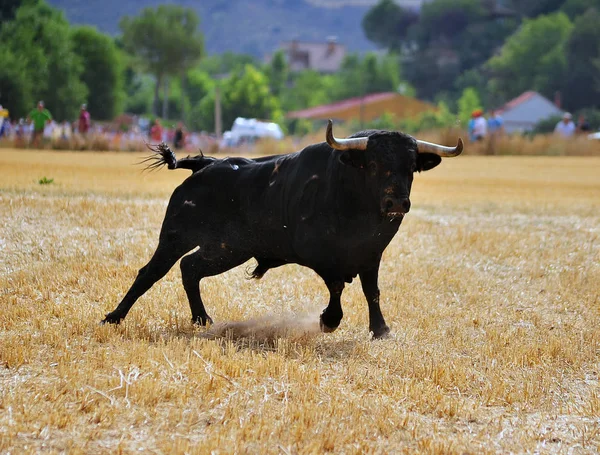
491,289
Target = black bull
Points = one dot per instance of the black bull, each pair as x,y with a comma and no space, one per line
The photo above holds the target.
332,207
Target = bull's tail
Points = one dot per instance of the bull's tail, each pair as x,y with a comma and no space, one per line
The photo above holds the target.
163,155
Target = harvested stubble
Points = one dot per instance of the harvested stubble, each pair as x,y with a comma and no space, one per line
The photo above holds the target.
491,290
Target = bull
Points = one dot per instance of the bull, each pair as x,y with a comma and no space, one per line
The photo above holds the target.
332,207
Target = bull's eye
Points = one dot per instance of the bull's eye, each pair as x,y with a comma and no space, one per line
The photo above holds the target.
389,204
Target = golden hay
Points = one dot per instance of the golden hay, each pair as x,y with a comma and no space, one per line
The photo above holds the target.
491,290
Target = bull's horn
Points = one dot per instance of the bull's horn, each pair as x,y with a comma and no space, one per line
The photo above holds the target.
356,143
440,150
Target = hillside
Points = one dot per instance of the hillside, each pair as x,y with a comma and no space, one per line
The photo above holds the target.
255,27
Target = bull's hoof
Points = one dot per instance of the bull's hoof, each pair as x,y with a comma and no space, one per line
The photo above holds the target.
202,321
325,328
381,333
111,319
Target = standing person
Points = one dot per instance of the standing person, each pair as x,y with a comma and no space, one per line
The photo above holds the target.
20,133
83,125
4,122
66,131
39,117
583,126
495,124
565,128
495,127
156,132
477,126
179,138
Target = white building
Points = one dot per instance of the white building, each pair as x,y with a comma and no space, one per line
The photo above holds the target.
522,113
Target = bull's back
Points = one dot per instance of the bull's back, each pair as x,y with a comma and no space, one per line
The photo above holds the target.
232,202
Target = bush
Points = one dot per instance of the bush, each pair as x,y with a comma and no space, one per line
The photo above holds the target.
545,126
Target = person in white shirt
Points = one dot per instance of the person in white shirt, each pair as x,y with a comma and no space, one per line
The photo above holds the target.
478,126
565,128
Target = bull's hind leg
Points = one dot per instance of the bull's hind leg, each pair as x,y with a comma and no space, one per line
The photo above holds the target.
377,325
198,265
333,314
165,256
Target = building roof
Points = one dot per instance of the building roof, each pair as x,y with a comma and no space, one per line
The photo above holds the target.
526,110
515,102
368,107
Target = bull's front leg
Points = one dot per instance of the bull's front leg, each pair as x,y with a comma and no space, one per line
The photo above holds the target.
377,325
332,315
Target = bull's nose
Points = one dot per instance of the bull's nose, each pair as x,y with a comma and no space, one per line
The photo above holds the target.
405,204
393,205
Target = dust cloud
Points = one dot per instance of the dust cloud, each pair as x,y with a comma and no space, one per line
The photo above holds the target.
269,328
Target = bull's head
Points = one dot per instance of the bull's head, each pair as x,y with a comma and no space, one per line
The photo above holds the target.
391,158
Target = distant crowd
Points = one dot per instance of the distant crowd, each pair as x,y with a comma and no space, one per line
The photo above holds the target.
481,128
39,128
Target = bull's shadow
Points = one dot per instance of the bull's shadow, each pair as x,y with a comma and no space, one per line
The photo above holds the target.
291,335
290,343
288,334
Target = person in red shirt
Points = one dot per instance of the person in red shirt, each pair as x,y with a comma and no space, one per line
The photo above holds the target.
156,132
84,120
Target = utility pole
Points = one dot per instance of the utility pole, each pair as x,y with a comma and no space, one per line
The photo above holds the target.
165,99
218,127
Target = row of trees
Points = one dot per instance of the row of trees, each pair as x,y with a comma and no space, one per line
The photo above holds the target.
462,54
157,66
500,48
43,57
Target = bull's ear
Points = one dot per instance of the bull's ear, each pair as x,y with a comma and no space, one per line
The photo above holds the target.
426,161
354,158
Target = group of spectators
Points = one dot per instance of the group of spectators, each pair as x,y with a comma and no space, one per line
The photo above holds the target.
481,128
566,128
175,136
39,127
39,124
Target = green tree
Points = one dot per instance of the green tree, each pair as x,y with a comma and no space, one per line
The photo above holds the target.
533,58
140,92
165,41
533,8
309,89
15,85
8,8
480,40
582,49
467,103
222,64
380,74
574,8
371,74
350,80
40,36
245,93
386,24
428,76
452,37
102,71
199,84
447,19
278,72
